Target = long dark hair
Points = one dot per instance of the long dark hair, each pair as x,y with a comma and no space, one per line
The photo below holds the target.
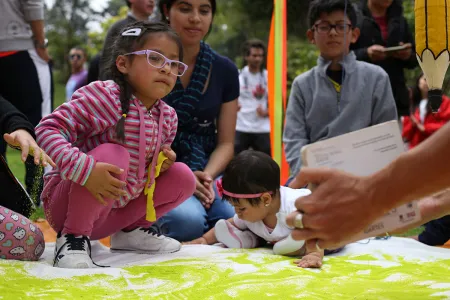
129,43
416,94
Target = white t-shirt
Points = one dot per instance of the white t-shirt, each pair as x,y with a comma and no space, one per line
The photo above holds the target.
247,118
423,110
281,230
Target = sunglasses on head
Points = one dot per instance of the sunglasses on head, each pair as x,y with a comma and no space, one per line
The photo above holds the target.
73,56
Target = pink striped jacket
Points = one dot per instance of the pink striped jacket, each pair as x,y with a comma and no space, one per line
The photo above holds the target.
89,120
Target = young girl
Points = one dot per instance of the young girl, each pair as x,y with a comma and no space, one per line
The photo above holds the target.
422,123
104,140
251,184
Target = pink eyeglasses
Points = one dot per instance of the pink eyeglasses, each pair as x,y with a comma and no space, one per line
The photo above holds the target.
159,61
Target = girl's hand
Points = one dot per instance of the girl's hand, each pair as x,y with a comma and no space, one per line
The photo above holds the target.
23,139
205,190
171,157
199,241
417,123
101,183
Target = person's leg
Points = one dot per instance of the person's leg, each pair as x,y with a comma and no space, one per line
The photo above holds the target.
21,85
233,237
241,142
44,77
72,211
437,232
220,209
13,195
20,239
184,223
261,142
132,232
70,202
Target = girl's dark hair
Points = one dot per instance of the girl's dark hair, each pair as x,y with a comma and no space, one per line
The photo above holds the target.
126,44
416,94
167,4
251,172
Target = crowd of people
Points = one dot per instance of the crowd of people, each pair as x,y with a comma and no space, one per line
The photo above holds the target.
163,141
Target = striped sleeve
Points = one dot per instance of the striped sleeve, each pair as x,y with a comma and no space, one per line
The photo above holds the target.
173,125
91,111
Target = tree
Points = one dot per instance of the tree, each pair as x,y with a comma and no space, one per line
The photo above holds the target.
113,8
97,38
65,28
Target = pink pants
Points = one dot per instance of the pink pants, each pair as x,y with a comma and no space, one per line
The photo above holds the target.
71,208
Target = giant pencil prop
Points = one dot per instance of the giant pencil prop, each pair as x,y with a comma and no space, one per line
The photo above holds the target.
277,70
432,34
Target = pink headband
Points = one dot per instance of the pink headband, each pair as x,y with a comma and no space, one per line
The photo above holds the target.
222,192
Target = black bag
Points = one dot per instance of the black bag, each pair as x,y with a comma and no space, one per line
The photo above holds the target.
12,194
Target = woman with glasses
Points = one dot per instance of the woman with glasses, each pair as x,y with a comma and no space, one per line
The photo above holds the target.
205,99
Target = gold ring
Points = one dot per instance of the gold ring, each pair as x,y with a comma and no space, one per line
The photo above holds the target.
298,221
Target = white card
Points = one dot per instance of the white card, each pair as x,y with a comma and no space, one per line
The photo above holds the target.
364,152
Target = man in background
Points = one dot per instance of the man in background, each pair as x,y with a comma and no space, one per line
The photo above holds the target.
253,124
78,79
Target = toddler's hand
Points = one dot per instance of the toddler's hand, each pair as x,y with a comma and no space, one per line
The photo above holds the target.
200,240
311,260
101,183
171,157
376,53
23,139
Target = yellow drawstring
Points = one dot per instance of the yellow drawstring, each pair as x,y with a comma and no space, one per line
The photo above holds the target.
151,213
124,115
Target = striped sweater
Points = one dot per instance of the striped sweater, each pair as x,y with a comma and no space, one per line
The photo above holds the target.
89,120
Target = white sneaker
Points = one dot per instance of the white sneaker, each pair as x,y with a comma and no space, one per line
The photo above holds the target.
233,237
73,252
143,240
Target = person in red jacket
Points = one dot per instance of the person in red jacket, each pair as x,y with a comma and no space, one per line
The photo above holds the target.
416,128
422,123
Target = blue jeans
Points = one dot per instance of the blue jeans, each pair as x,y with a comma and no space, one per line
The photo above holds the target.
190,220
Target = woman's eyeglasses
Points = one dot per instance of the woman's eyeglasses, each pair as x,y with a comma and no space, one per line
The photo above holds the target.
157,60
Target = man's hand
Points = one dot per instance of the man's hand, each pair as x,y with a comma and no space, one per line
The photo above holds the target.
329,212
43,53
376,53
404,54
261,112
